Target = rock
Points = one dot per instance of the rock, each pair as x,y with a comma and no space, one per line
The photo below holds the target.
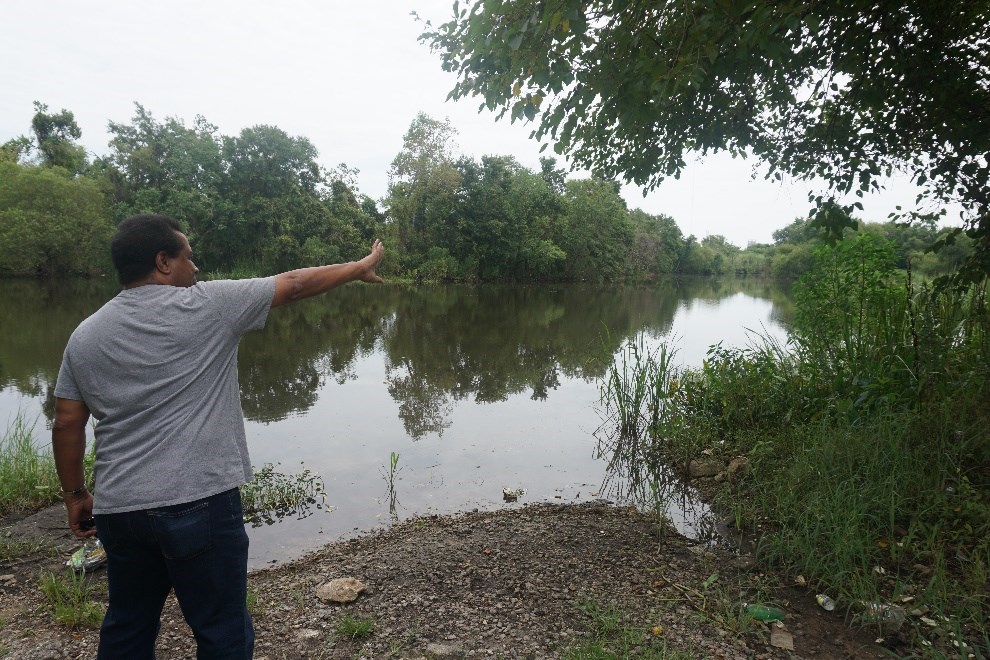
701,551
435,650
738,468
340,590
780,637
307,633
706,468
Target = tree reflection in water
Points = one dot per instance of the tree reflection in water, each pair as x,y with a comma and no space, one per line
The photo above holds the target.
441,345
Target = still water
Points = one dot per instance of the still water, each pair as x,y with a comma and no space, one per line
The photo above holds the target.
475,388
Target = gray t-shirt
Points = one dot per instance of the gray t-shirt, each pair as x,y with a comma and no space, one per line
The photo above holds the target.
157,368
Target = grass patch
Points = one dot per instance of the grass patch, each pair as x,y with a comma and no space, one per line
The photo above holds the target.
67,596
252,601
355,629
612,635
28,480
13,550
273,495
27,471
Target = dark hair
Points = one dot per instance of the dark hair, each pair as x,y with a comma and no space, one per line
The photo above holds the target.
138,241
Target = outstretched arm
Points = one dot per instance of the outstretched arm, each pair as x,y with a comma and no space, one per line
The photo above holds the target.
69,447
307,282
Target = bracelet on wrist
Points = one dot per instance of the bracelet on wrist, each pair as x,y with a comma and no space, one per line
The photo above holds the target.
73,493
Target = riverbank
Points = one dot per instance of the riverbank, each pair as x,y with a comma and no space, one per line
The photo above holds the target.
543,581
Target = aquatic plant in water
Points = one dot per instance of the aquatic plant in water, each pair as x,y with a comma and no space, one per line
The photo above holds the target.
273,495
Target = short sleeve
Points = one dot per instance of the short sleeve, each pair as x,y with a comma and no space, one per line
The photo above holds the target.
65,385
242,303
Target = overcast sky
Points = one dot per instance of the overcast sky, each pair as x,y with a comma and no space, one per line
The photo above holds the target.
350,76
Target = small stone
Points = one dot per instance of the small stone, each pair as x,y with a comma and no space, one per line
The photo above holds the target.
435,650
340,590
781,638
738,467
697,469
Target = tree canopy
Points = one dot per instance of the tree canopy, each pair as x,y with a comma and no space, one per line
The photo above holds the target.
260,202
847,91
55,136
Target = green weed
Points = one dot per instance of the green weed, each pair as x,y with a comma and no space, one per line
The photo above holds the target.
612,636
272,495
14,550
252,601
355,629
67,596
392,495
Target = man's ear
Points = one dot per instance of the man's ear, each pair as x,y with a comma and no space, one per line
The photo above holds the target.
161,263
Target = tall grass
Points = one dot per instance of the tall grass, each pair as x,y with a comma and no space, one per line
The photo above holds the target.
868,436
27,469
637,386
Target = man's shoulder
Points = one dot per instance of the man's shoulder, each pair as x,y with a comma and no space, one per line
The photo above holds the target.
106,310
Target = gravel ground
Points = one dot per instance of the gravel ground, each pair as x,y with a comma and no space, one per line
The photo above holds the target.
518,583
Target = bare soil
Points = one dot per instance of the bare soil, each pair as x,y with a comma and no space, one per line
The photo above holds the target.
518,583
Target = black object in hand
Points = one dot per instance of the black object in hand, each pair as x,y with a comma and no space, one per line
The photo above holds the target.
89,523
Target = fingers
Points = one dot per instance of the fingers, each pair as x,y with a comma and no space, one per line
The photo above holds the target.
80,514
84,533
83,528
377,251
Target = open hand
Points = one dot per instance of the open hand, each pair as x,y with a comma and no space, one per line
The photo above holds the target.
371,263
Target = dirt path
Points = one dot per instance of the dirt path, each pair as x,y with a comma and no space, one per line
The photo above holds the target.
519,583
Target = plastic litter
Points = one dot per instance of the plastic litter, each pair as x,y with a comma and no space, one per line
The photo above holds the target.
512,494
89,557
826,602
890,617
763,612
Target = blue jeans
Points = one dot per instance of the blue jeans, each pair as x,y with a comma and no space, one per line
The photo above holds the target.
200,550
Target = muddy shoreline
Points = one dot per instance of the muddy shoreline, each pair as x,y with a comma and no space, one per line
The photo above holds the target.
531,582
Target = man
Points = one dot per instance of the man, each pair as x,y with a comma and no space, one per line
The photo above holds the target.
156,366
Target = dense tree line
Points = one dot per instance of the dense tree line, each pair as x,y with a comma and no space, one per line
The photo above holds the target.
260,202
838,92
